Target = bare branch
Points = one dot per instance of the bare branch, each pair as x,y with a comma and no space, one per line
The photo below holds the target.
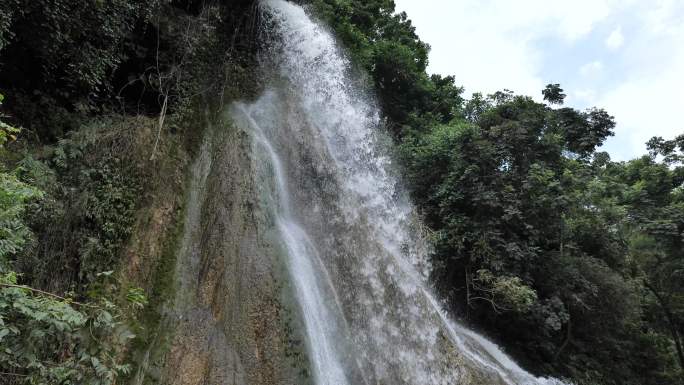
68,300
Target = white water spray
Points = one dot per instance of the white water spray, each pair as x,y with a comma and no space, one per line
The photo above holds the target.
318,318
354,257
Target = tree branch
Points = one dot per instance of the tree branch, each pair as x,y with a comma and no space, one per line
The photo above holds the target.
68,300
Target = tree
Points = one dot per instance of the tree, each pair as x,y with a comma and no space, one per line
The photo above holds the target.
656,200
526,240
553,94
47,338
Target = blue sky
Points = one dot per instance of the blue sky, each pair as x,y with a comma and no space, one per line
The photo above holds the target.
625,56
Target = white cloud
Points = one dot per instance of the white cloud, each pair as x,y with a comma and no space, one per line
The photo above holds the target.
648,102
584,96
665,17
577,18
591,68
488,44
615,40
644,108
493,44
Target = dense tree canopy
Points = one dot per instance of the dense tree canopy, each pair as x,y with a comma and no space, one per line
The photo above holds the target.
513,198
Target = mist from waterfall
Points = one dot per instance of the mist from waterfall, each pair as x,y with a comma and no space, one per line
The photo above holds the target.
355,254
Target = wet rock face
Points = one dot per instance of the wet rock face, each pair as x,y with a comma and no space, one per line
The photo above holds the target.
233,317
229,326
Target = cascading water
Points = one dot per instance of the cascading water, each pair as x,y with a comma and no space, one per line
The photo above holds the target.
320,323
354,258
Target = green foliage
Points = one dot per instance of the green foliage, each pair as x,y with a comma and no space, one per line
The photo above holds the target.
136,296
385,45
142,56
46,340
553,94
653,193
58,69
512,197
7,11
503,293
73,56
7,132
92,193
14,196
671,150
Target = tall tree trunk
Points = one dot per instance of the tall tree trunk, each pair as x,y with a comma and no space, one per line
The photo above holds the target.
671,323
568,335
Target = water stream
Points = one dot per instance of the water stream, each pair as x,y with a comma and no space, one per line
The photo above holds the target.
355,255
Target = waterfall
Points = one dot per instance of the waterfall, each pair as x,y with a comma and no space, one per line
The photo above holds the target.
354,253
302,253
